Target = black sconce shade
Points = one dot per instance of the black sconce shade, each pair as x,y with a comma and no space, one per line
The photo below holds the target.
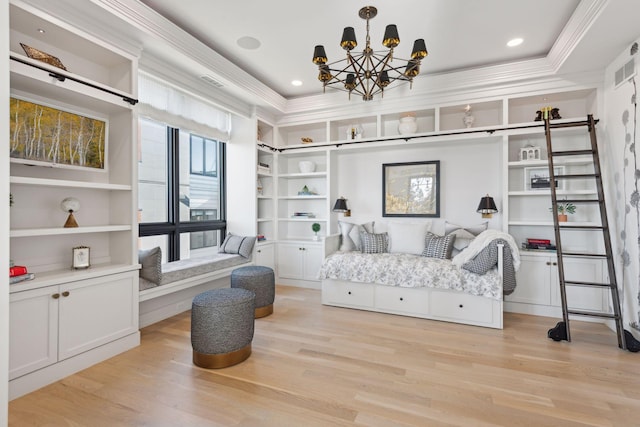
487,207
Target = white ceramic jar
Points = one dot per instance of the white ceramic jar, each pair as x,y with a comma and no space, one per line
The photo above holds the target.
407,125
306,166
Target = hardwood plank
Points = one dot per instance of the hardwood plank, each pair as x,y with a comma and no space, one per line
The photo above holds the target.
315,365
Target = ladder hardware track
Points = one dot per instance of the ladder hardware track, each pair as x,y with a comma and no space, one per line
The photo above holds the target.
562,330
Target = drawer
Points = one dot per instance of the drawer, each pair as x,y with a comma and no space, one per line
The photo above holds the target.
458,306
402,300
348,294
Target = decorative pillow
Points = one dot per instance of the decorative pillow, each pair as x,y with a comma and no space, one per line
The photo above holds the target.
374,243
438,246
350,235
407,237
464,235
151,260
242,245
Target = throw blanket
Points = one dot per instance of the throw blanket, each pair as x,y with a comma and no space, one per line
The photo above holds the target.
482,254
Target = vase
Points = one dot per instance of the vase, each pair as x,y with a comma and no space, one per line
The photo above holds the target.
306,166
562,218
407,125
468,119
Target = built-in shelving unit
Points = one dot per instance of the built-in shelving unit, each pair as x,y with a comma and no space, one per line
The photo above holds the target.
100,81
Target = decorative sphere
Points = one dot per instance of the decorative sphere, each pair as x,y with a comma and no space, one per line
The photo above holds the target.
70,204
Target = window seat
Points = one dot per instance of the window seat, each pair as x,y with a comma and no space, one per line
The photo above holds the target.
183,274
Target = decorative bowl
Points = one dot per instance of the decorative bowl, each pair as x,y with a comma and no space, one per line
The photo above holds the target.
306,166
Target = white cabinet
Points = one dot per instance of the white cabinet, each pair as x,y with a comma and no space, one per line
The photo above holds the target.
300,260
265,255
54,323
538,284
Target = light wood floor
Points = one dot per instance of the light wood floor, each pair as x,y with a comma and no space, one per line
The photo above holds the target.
323,366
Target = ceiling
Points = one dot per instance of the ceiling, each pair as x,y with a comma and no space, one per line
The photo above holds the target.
460,34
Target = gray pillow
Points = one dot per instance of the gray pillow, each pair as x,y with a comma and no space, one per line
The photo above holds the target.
438,246
242,245
350,235
151,260
464,235
374,243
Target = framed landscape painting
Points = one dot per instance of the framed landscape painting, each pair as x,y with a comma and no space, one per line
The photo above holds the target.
411,189
47,136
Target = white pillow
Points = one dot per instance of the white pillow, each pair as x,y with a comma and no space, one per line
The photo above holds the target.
464,235
350,235
407,237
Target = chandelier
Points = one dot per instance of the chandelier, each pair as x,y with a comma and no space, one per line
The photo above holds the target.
370,72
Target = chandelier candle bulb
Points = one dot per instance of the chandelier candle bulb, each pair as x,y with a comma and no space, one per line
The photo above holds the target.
368,73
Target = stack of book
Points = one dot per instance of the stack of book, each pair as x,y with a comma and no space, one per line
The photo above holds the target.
261,237
263,168
19,273
303,215
538,244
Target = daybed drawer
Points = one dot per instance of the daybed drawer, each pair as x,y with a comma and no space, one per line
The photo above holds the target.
347,293
458,306
402,300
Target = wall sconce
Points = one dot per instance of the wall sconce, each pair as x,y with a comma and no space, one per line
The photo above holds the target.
341,206
487,207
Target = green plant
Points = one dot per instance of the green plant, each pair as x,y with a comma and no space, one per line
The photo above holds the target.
315,227
565,208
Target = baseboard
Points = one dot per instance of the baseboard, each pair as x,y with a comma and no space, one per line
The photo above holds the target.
52,373
298,283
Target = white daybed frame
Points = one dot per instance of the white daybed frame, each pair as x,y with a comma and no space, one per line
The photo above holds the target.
428,303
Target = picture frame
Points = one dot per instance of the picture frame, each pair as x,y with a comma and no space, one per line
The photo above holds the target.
411,189
537,178
81,257
55,127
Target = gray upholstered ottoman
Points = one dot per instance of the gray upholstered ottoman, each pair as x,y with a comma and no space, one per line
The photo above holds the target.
222,327
259,280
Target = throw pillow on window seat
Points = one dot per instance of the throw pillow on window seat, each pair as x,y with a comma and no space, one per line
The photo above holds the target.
151,260
241,245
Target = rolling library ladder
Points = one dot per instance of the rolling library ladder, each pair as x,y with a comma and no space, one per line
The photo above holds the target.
561,331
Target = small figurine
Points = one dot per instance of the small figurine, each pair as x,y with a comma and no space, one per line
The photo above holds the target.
538,116
555,113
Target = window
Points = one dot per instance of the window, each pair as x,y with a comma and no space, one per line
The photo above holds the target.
203,156
180,185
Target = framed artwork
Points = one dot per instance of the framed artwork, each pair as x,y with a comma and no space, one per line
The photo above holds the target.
538,178
80,258
47,136
411,189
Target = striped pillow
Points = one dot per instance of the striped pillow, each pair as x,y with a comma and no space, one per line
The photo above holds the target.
374,243
438,246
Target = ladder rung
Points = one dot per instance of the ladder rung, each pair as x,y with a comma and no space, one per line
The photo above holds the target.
597,285
580,201
572,153
582,227
584,254
578,176
592,314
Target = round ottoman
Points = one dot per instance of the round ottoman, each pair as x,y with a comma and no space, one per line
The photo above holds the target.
222,327
261,281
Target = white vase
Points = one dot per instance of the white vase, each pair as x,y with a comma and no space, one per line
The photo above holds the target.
468,119
306,166
407,125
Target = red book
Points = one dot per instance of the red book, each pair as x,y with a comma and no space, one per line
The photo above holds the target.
539,241
17,270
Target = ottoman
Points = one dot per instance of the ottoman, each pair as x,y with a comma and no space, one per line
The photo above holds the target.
222,327
261,281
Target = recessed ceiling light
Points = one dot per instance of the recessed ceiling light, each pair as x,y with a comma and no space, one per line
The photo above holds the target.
247,42
515,42
296,82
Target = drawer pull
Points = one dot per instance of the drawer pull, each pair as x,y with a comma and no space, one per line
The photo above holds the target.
65,294
55,296
461,306
401,299
349,292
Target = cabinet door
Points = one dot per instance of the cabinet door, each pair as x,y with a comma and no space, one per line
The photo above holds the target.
313,257
533,285
580,297
265,255
33,332
290,261
95,312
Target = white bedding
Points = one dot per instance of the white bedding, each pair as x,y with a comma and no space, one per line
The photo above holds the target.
406,270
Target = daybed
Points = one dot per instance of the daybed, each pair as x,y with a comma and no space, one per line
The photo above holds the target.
406,281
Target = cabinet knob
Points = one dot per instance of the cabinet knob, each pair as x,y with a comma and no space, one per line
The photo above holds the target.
55,296
259,251
548,263
401,299
349,292
461,306
555,263
65,294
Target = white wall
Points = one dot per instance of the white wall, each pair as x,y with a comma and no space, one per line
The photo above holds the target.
4,212
621,164
468,171
241,177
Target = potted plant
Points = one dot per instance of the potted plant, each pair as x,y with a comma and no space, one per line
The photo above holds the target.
565,208
315,227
